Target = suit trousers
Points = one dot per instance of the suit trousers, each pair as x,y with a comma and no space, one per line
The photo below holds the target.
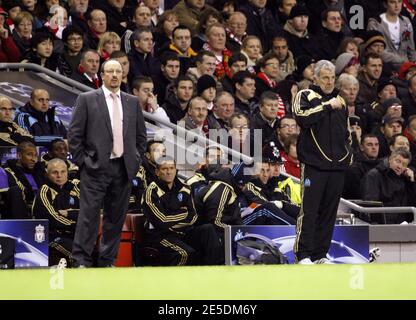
321,193
111,189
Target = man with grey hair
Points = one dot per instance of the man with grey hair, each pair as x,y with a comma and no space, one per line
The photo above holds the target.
224,106
324,152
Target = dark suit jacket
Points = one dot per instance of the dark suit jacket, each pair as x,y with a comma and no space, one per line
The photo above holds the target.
90,135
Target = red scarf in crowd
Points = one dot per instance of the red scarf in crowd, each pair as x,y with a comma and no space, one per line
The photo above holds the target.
222,68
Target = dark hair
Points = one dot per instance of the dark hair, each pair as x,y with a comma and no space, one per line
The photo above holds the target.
206,14
22,146
268,56
371,55
344,44
161,21
239,115
201,54
118,54
181,27
53,142
139,80
393,139
69,30
151,142
39,37
182,78
168,56
286,117
324,14
241,76
288,141
238,56
368,135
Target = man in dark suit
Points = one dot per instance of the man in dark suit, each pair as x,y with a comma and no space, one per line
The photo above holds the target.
107,139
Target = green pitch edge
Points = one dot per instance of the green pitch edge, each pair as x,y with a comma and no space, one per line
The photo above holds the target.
375,281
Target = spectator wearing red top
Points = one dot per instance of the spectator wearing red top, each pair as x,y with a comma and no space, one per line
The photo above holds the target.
291,164
8,49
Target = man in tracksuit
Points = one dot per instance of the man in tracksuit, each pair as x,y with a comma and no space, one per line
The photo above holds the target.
324,152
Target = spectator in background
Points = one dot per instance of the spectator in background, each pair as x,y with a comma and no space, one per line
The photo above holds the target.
58,148
390,126
399,141
303,73
205,63
77,12
143,88
109,42
245,91
9,52
189,13
12,8
22,33
38,118
170,69
216,38
268,73
290,156
287,127
252,50
266,119
368,78
331,34
349,45
167,22
141,19
283,9
364,160
287,90
122,57
176,102
155,9
347,63
196,117
118,14
237,62
410,133
30,7
73,40
208,18
87,71
396,29
97,25
286,61
11,134
409,99
392,183
236,27
222,112
181,45
58,202
142,61
206,89
297,35
260,22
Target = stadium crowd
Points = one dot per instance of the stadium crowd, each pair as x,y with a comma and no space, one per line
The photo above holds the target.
204,65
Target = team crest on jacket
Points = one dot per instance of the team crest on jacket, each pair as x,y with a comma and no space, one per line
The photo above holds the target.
307,182
39,233
71,201
180,196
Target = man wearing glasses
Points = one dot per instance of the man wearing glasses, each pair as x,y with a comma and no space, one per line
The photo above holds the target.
286,128
107,138
10,133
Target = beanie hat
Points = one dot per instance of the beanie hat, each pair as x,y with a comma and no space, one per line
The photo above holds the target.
342,62
298,10
373,36
205,82
354,120
389,102
404,69
383,82
302,62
